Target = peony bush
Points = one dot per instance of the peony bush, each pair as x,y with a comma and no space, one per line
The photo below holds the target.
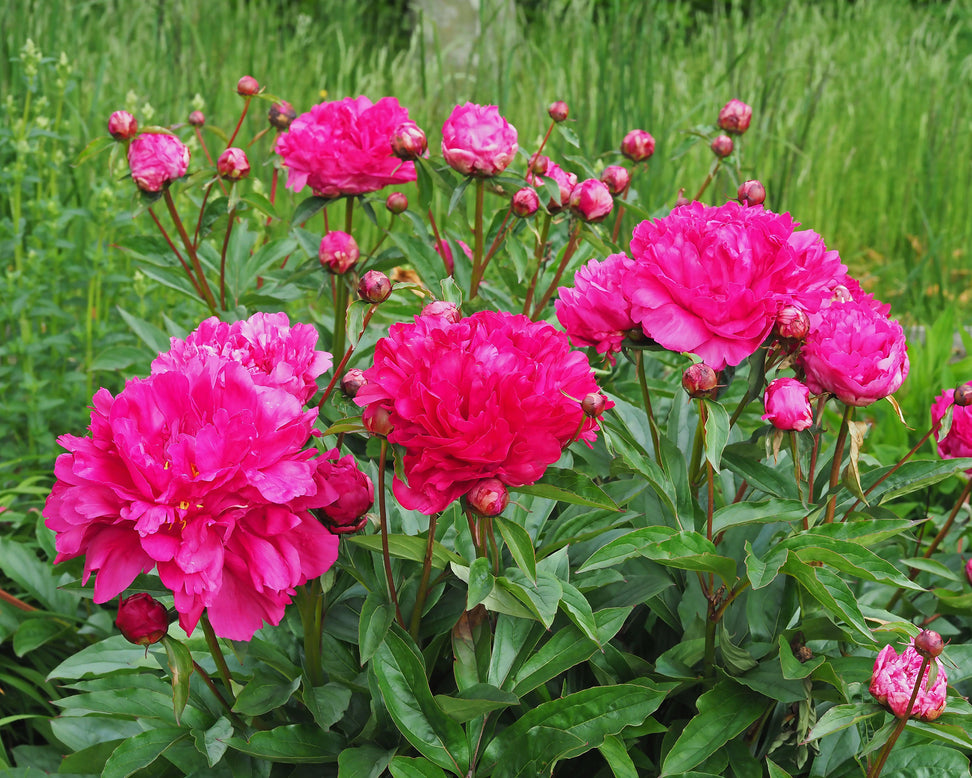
519,475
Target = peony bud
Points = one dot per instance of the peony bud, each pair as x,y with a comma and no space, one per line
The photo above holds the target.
735,117
197,118
638,145
352,381
489,497
281,115
446,310
929,644
617,179
593,404
681,199
792,322
374,287
377,420
396,203
751,193
247,86
338,252
539,163
700,381
787,403
963,395
558,111
122,125
525,202
409,141
233,164
591,200
722,146
968,570
142,619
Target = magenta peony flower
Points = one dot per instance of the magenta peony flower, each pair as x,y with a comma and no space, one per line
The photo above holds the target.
355,492
489,497
893,682
156,159
525,202
787,404
565,183
722,146
595,312
958,441
493,395
409,141
477,141
710,280
735,116
855,353
344,147
274,352
233,164
202,473
591,200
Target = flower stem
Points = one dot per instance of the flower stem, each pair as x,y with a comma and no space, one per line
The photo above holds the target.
797,472
217,653
646,399
478,247
538,252
217,694
11,600
310,603
423,589
878,765
572,243
182,261
222,260
190,250
835,465
617,219
383,519
818,425
246,107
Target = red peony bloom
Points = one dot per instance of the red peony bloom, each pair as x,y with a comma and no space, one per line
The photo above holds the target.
958,441
477,141
493,395
156,159
344,147
855,353
595,312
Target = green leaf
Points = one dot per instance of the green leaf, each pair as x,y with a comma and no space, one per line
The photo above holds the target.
458,192
725,711
475,701
775,771
565,649
19,563
400,673
912,476
422,256
408,767
716,432
949,602
262,204
737,660
291,744
499,600
616,755
763,572
830,591
263,694
792,667
119,358
481,582
925,761
408,547
842,716
578,610
513,641
848,556
180,668
541,597
376,617
95,147
307,208
625,547
140,751
327,703
34,633
520,544
737,458
365,761
570,488
934,567
149,334
211,742
692,551
757,512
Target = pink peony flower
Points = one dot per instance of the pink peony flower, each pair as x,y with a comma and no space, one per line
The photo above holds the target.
233,164
493,395
201,473
958,441
787,403
444,249
344,147
595,312
477,141
274,352
893,682
489,497
156,159
735,117
855,353
355,492
722,146
409,141
710,280
591,200
565,183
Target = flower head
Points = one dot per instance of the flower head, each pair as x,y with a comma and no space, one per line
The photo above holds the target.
247,86
281,115
893,682
617,178
374,287
558,111
142,619
722,146
156,159
735,117
565,184
591,200
338,252
525,202
122,125
787,403
477,141
344,147
355,492
493,395
409,141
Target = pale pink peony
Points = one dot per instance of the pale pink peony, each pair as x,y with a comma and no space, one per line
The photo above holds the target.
477,141
855,353
274,352
591,200
893,682
344,147
155,159
493,395
787,403
710,280
203,474
595,312
565,185
958,441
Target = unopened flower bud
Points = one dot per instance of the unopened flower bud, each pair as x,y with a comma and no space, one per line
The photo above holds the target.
281,115
247,86
338,252
792,322
539,163
963,395
700,381
735,117
591,200
617,178
409,141
122,125
593,404
929,644
377,420
638,145
681,199
396,202
968,571
558,111
142,619
751,193
525,202
233,164
374,287
722,146
448,311
352,381
489,497
197,118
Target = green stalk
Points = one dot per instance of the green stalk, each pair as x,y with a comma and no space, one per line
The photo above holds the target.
538,251
646,399
383,519
835,465
217,653
423,589
310,604
478,247
572,244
